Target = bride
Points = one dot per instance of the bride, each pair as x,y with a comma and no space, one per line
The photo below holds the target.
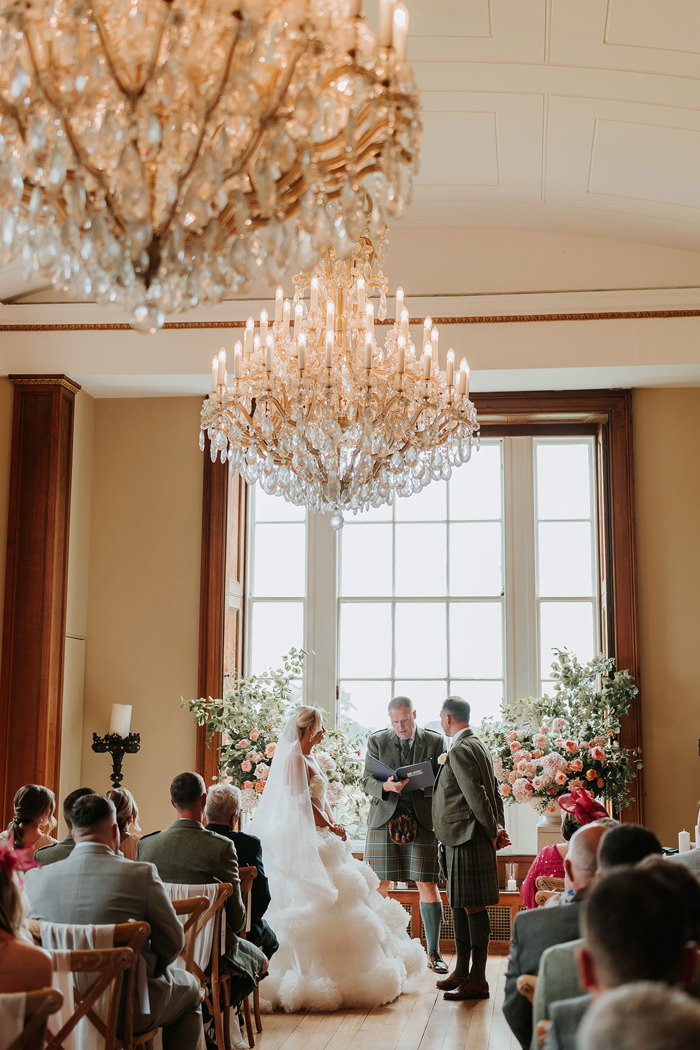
341,943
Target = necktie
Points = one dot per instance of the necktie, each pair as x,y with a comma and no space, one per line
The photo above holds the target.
405,748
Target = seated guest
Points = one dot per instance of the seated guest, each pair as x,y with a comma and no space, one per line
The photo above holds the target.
578,808
626,844
223,807
127,820
60,850
23,967
535,931
641,1016
637,927
186,853
96,886
690,859
621,845
33,818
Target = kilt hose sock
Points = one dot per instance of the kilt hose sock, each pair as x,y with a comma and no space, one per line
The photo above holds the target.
431,914
480,931
463,941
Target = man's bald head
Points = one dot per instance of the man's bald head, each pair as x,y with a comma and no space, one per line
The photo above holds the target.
581,859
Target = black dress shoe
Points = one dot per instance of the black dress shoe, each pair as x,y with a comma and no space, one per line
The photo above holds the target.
468,989
448,983
436,962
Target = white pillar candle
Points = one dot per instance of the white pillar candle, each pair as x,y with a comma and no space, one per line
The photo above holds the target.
301,351
450,370
683,841
286,314
248,336
314,294
329,349
268,354
368,350
263,325
369,319
330,317
386,11
401,349
427,362
120,721
298,318
256,343
434,343
427,326
403,329
214,373
360,294
399,304
399,36
221,367
279,296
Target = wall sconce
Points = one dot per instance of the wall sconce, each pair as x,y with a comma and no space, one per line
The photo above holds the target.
118,741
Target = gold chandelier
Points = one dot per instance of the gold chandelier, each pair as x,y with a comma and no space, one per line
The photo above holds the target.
153,153
316,411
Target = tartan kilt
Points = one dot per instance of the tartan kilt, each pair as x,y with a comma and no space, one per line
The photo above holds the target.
417,861
472,874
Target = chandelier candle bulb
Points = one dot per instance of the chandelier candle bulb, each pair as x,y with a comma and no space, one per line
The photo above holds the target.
214,373
314,294
248,337
268,354
329,349
386,13
434,343
221,373
301,351
330,318
427,362
360,294
427,328
399,37
279,298
286,314
401,355
298,318
369,319
403,330
449,371
463,379
237,359
263,325
399,305
368,350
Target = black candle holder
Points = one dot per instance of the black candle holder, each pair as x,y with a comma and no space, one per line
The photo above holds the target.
118,746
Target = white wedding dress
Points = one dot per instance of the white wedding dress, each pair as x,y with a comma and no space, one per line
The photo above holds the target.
341,943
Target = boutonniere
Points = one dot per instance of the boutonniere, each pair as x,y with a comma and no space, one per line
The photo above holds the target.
442,758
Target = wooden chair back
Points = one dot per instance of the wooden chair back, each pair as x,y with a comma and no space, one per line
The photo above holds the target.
132,935
192,909
109,964
39,1006
547,886
247,874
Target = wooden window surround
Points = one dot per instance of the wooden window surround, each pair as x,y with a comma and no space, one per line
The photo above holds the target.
605,413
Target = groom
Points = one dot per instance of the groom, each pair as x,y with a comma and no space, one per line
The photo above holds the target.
394,816
468,819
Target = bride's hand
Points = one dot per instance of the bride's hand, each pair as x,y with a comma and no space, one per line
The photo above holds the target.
339,830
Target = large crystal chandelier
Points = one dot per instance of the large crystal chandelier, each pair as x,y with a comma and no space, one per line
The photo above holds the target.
316,411
154,152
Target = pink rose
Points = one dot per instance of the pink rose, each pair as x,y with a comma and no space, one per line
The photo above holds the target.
576,765
243,744
559,742
522,790
255,756
571,746
261,771
246,766
515,746
539,740
513,735
334,793
560,778
254,734
537,753
538,783
498,767
597,754
505,790
270,750
512,777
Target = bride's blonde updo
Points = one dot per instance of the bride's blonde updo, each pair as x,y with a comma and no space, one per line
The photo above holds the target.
308,716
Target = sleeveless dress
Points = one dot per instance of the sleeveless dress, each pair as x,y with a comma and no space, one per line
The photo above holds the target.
353,952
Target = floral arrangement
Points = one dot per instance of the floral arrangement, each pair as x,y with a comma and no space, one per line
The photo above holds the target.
543,747
251,716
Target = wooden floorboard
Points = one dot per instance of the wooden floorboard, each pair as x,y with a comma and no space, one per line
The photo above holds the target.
419,1020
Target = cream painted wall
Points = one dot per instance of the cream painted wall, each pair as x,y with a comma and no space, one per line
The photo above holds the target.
77,596
6,392
667,479
143,591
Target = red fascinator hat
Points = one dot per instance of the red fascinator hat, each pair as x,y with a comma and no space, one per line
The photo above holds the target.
582,806
15,860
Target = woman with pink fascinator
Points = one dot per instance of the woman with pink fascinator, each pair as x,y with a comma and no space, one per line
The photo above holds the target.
578,808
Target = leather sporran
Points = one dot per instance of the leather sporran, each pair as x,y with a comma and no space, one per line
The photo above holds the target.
403,829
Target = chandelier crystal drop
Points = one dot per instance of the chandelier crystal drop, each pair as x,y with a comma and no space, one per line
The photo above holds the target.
317,412
154,153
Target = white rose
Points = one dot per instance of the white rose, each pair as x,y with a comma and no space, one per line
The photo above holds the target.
442,758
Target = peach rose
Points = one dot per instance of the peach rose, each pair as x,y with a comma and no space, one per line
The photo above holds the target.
560,778
576,765
513,735
515,746
537,753
243,744
259,785
505,790
254,734
571,746
512,777
591,774
246,766
270,750
600,782
597,754
247,785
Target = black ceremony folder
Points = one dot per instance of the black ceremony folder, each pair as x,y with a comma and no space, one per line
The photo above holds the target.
419,775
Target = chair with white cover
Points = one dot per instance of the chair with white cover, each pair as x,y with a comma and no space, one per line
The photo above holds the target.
88,1020
247,876
23,1017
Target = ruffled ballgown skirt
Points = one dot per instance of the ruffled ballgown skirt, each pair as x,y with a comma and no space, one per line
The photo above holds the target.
353,951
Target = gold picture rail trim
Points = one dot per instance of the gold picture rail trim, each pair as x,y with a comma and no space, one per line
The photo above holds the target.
607,315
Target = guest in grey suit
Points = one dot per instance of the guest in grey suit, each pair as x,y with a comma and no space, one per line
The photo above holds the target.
690,860
95,886
639,924
468,821
535,931
189,854
403,744
642,1016
60,850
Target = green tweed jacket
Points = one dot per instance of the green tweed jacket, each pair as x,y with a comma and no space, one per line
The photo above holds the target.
386,746
466,800
58,851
